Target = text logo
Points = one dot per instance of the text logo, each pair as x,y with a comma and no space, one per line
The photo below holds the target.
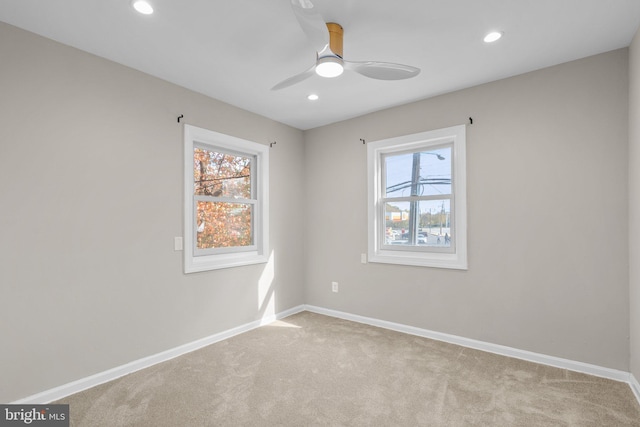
34,415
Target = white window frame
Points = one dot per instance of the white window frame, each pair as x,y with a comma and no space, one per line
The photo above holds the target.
456,258
200,260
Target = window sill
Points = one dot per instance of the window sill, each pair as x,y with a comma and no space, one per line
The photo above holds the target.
216,262
420,259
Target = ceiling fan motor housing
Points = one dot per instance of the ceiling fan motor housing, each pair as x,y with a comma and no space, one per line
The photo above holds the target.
335,38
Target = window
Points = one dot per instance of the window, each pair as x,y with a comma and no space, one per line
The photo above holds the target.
226,201
417,199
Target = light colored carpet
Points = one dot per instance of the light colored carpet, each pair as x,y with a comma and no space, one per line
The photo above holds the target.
313,370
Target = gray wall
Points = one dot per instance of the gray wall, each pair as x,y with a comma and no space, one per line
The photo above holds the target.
547,208
91,186
634,202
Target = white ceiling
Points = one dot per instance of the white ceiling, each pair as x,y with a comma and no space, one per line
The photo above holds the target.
236,50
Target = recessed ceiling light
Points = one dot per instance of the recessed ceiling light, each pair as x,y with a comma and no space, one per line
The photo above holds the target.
312,97
143,7
493,36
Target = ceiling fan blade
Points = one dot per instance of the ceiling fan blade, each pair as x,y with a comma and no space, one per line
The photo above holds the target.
295,79
382,70
311,23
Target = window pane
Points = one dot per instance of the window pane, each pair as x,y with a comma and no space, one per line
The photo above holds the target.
435,222
221,175
397,223
432,223
224,225
432,177
398,170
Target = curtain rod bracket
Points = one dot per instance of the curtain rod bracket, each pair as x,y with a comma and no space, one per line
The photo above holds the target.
363,141
470,120
272,144
179,117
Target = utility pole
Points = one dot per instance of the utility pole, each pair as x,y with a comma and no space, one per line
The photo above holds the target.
413,204
441,217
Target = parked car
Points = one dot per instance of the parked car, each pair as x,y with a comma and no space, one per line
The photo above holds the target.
422,238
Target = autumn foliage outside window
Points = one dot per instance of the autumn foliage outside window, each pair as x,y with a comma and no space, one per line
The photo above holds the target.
224,198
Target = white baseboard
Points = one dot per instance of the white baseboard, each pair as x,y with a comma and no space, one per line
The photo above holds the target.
635,386
120,371
543,359
117,372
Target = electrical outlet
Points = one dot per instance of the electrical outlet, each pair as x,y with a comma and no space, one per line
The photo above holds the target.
334,286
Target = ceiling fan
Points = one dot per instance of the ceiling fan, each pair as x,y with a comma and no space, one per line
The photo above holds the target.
327,39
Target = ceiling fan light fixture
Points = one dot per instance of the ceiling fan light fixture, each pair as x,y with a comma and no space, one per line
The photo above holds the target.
329,66
142,6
